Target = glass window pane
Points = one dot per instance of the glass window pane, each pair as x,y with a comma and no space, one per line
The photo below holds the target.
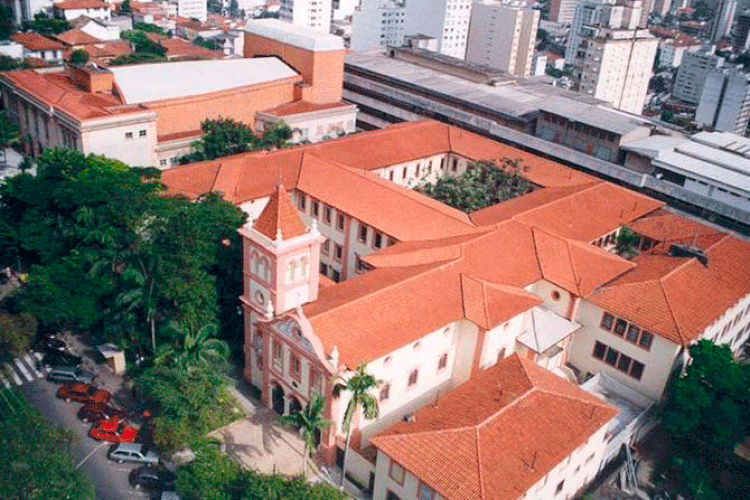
611,358
633,332
599,350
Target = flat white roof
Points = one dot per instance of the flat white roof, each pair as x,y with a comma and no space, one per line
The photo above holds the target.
546,329
299,36
156,82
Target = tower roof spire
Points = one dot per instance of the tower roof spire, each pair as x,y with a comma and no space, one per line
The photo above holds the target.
280,217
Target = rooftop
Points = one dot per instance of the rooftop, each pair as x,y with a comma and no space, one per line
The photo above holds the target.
76,37
299,107
497,434
298,36
594,115
81,5
34,41
156,82
520,100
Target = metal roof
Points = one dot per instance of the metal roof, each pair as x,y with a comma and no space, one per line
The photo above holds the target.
593,114
156,82
517,98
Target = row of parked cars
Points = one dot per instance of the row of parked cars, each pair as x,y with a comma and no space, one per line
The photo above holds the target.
108,423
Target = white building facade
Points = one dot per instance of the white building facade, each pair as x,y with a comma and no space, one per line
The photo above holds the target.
315,14
377,24
445,20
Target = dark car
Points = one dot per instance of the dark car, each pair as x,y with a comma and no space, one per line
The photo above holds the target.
152,478
60,358
69,374
47,344
94,412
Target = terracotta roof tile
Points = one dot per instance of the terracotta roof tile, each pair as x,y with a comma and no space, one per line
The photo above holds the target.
663,225
279,218
81,4
496,435
298,107
488,304
35,41
76,37
678,297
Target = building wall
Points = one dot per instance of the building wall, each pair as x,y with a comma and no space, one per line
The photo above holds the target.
691,75
500,342
132,143
315,14
502,37
315,126
445,20
196,9
377,24
186,114
659,361
323,70
70,14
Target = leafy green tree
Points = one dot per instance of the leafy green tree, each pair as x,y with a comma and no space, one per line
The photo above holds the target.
195,348
150,28
142,297
234,8
9,131
209,43
710,402
309,423
276,136
142,43
8,63
190,403
46,26
224,137
16,333
125,7
482,185
6,22
359,386
35,457
626,240
79,56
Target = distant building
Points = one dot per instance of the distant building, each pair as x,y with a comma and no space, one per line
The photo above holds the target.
618,66
313,14
562,11
671,51
713,164
725,101
149,115
445,20
721,25
377,24
741,36
73,9
691,75
503,37
40,47
591,16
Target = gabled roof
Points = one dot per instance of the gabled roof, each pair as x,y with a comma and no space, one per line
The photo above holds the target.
496,435
34,41
663,225
76,37
678,297
279,218
81,4
488,304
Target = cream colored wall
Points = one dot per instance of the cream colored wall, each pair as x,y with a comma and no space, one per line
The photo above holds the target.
545,291
136,152
416,172
315,127
659,360
502,337
736,320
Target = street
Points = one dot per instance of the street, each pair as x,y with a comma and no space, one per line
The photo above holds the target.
109,478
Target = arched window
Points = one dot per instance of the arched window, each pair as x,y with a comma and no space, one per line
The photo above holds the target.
304,267
292,271
264,269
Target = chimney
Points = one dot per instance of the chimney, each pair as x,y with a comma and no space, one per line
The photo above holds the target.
91,77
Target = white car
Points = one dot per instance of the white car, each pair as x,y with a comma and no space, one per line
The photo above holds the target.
133,452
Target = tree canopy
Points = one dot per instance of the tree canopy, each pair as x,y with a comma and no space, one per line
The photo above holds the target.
79,56
482,185
91,231
225,136
142,43
711,401
35,457
47,26
216,476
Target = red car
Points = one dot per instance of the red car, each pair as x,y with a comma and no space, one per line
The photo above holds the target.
85,393
115,430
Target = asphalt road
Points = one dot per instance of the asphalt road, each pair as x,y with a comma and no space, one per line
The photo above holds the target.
110,478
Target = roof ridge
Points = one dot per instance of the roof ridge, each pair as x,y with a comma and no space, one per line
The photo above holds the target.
669,303
594,183
485,309
598,403
433,266
479,464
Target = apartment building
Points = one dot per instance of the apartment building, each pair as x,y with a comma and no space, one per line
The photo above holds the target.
721,24
692,73
312,14
503,37
377,24
149,115
725,101
445,20
562,11
618,66
469,320
192,9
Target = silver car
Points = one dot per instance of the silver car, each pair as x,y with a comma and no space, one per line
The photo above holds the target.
69,374
133,452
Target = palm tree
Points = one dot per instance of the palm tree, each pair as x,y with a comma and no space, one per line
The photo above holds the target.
142,296
309,421
359,385
198,348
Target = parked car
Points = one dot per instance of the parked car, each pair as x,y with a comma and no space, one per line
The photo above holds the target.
169,495
83,393
93,412
48,343
133,452
114,429
69,374
60,358
152,478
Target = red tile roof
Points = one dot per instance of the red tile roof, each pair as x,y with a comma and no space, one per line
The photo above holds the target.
496,435
279,217
76,37
678,297
81,4
663,225
298,107
35,41
109,49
